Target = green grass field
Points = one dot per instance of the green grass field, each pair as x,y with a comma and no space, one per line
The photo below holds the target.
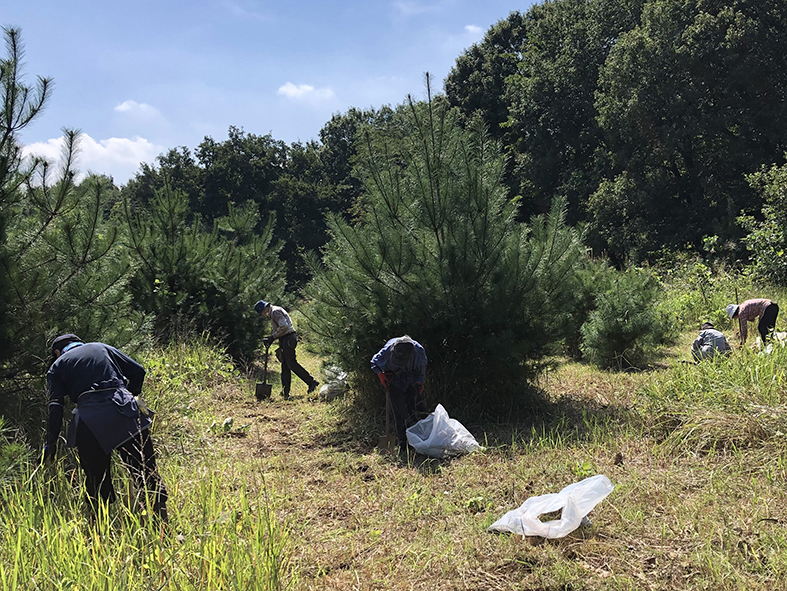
293,495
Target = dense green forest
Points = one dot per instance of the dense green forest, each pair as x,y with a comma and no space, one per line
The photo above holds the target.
528,210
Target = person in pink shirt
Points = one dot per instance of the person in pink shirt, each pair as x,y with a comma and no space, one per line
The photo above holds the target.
750,310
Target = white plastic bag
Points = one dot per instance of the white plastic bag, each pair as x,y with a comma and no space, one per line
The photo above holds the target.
439,436
576,501
336,384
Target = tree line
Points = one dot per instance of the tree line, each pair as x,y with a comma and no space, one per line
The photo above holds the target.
647,116
499,222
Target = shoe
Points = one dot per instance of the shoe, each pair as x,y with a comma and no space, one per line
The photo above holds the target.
285,395
313,387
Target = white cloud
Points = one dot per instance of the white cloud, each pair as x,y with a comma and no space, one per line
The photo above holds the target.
119,158
455,44
475,31
306,92
137,108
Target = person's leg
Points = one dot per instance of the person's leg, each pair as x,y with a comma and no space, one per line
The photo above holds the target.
140,458
96,464
416,405
288,345
399,413
286,373
420,405
695,351
768,321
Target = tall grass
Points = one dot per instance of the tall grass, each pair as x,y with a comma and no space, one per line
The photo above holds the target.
215,540
724,403
223,532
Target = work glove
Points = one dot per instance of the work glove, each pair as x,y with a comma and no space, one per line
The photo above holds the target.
385,378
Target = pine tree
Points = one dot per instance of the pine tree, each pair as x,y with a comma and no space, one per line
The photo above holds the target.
193,279
436,252
60,266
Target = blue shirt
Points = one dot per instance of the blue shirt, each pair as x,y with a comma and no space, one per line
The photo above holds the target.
413,371
81,368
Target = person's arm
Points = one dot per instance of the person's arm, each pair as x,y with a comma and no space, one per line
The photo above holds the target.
282,324
744,328
420,364
56,398
380,359
132,371
380,363
420,374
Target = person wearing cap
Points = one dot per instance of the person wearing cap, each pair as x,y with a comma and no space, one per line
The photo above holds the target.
284,331
401,368
709,343
749,311
103,384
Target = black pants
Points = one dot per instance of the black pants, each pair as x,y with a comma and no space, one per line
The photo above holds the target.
407,408
139,457
768,320
289,363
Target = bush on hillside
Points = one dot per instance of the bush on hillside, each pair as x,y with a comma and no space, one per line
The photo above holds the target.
627,325
193,279
767,238
695,292
594,276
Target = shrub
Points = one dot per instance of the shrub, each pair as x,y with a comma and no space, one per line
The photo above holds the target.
767,239
193,279
627,325
695,293
594,276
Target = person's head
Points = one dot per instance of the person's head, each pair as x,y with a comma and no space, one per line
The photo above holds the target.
262,307
706,325
732,310
61,343
402,350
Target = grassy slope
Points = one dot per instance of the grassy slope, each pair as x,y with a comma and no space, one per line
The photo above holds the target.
696,453
694,506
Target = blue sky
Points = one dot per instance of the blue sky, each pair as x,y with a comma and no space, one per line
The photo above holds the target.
141,77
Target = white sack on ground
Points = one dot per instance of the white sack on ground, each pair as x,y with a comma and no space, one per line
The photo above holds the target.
439,436
336,383
575,501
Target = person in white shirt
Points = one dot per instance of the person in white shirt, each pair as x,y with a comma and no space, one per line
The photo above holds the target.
709,343
284,332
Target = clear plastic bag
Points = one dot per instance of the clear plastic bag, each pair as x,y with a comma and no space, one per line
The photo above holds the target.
336,383
439,436
575,501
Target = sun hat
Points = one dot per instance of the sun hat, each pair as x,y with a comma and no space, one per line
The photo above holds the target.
732,310
260,306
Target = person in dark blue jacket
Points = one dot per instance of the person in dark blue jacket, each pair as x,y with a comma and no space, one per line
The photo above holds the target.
103,383
401,368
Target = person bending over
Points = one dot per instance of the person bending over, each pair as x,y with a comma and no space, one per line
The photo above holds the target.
103,384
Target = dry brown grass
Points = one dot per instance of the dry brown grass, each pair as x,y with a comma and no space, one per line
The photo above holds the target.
361,520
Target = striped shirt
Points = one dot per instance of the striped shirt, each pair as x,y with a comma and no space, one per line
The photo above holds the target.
281,323
750,311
